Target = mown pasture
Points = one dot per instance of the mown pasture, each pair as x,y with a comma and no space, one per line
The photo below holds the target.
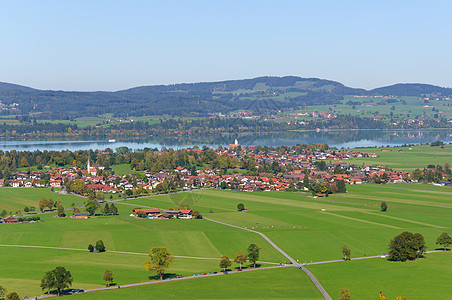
308,229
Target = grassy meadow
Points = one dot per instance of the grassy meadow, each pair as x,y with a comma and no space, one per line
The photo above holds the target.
15,199
308,229
411,158
288,283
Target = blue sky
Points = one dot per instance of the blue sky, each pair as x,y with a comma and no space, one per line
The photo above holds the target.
112,45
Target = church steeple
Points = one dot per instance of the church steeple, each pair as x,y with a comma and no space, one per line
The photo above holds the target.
88,167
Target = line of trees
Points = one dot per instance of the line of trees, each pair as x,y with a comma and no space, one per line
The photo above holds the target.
252,256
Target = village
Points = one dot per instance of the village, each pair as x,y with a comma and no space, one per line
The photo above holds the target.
316,166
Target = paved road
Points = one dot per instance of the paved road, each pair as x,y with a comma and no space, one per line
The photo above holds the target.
167,280
262,235
293,261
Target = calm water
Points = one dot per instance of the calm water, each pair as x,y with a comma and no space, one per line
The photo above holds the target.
342,138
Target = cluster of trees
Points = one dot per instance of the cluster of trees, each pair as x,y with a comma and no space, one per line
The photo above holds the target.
241,258
29,219
99,247
407,246
11,296
432,173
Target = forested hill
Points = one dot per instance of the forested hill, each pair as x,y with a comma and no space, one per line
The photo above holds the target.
193,99
411,89
4,86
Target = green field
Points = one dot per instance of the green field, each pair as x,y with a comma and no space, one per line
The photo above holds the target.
427,278
306,228
416,157
286,283
14,199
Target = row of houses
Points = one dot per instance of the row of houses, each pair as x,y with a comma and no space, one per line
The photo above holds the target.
158,214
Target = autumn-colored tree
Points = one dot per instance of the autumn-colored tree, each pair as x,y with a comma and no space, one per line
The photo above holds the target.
108,277
159,260
240,258
225,262
344,294
12,296
346,252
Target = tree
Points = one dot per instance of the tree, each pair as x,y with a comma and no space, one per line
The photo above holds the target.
341,188
383,206
12,296
106,209
240,206
3,213
113,209
407,246
344,294
444,240
42,203
100,247
91,206
253,254
240,258
225,262
108,277
58,278
346,252
90,248
60,211
160,260
2,292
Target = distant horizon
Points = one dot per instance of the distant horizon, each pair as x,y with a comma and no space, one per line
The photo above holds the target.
213,81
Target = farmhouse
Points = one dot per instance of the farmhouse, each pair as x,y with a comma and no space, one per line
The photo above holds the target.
9,220
83,215
152,212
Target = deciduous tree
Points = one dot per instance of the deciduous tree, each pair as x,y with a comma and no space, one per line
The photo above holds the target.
12,296
444,240
58,278
344,294
346,252
240,258
159,260
383,206
253,254
407,246
240,206
108,277
100,247
2,292
225,262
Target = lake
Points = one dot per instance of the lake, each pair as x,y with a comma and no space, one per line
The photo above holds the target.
337,138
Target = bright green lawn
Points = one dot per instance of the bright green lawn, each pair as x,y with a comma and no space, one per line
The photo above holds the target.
122,169
297,223
14,199
289,283
293,221
427,278
418,157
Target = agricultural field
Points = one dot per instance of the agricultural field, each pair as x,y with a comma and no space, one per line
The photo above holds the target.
15,199
410,158
308,229
288,283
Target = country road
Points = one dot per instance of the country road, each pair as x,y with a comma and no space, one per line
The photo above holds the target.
293,261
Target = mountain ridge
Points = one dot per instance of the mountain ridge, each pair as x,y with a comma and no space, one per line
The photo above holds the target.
416,87
261,94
